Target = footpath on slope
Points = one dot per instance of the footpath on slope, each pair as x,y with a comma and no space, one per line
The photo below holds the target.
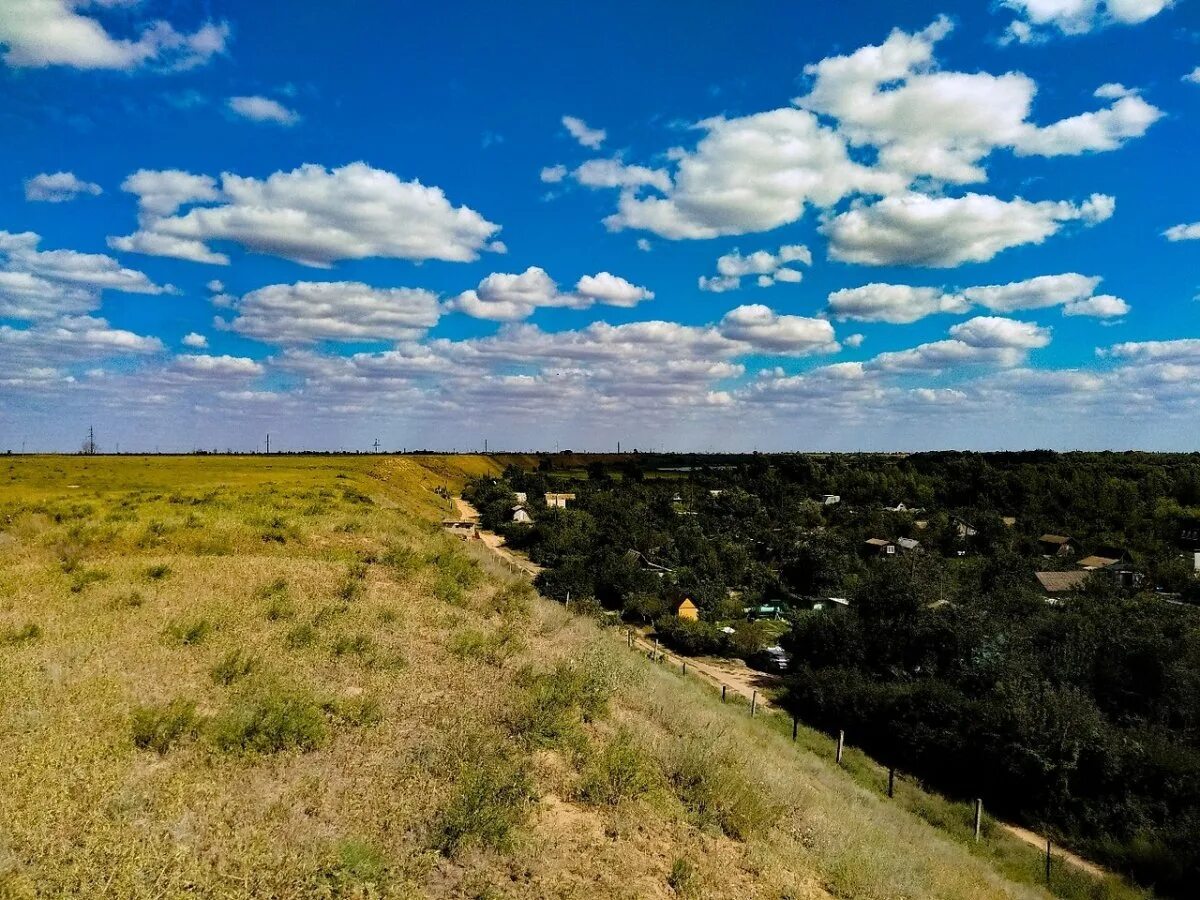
744,682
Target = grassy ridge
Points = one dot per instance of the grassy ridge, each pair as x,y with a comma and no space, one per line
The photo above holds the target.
276,677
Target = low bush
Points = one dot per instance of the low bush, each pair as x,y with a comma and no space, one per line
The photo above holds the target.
158,571
683,878
621,770
493,647
358,711
269,718
402,559
160,727
353,644
357,870
302,635
233,666
713,787
190,632
11,635
492,794
82,578
553,704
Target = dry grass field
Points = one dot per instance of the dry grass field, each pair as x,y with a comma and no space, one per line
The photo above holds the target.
275,677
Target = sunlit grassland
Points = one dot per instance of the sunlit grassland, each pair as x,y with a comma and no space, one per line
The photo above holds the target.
274,676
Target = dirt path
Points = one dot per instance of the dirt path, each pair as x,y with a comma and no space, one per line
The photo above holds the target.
744,682
1036,840
493,541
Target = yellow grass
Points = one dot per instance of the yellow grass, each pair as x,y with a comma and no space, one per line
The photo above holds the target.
445,733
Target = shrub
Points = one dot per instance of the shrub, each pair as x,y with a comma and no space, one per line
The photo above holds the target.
84,577
188,633
690,638
401,558
359,711
713,787
491,797
130,600
492,648
158,571
683,878
553,704
356,644
303,635
269,718
159,727
11,635
514,598
620,771
280,607
350,589
358,870
233,666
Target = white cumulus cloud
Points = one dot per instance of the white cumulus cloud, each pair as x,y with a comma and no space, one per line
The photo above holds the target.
42,284
263,109
510,297
591,138
943,232
310,311
40,33
768,331
58,187
1186,232
1037,18
311,215
768,268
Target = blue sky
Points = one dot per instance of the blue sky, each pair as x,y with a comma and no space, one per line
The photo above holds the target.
771,225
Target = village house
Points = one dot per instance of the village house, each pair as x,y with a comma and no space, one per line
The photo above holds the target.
463,528
558,501
1057,545
1056,585
520,514
830,499
909,545
964,528
879,547
522,497
688,610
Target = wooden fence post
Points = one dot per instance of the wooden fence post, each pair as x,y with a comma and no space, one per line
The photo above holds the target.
753,703
841,744
795,727
891,781
723,688
656,653
978,818
1047,861
685,667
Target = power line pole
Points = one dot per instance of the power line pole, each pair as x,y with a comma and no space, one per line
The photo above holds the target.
376,445
268,443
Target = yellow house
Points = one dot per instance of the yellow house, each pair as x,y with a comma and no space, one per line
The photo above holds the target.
687,610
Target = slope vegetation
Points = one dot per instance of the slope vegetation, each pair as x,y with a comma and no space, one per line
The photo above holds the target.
276,677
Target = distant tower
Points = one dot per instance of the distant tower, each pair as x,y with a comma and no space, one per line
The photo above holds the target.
89,446
268,442
376,445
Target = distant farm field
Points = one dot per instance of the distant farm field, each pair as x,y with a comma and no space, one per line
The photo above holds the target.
276,677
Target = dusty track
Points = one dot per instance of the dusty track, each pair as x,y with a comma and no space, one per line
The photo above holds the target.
493,541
